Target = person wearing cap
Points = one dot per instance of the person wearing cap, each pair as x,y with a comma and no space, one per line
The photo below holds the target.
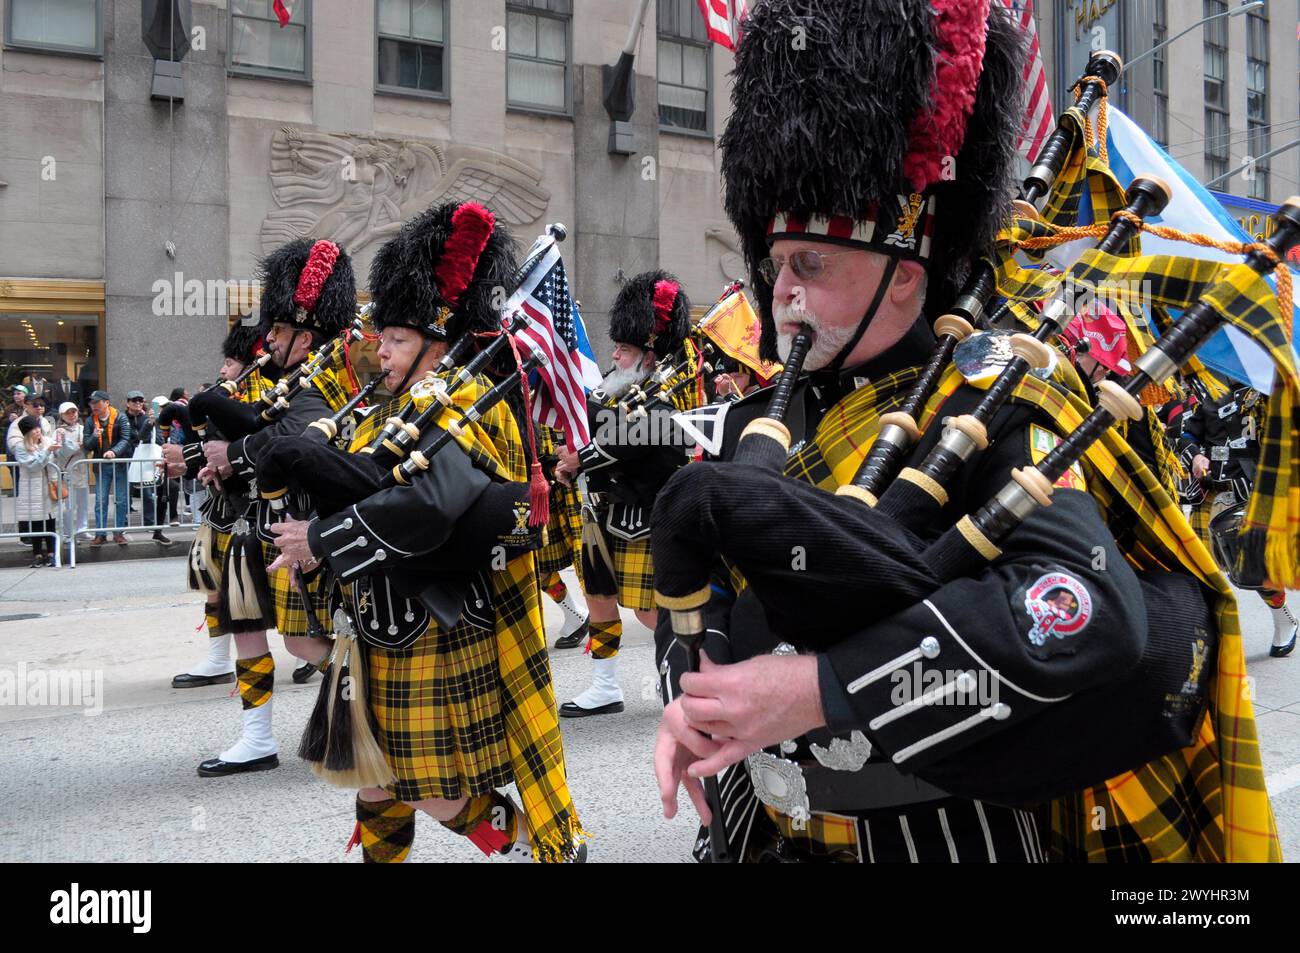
77,478
866,171
30,407
33,507
140,418
17,407
107,437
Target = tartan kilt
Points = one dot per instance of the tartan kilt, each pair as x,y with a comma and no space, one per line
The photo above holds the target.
438,707
290,618
563,534
220,546
634,571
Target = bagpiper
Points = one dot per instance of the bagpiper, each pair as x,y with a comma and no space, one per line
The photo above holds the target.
242,345
308,299
629,458
866,168
457,681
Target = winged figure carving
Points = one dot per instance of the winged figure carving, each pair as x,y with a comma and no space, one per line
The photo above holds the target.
358,190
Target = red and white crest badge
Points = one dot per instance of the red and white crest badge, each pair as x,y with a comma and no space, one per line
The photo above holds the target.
1059,606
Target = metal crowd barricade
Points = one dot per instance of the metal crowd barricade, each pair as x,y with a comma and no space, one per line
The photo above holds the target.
97,465
18,475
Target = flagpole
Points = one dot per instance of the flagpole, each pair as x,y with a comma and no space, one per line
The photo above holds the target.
1253,161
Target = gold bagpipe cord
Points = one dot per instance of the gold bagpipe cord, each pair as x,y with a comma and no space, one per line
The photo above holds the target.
1206,802
528,705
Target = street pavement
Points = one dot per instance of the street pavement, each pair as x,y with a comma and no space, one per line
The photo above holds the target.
111,777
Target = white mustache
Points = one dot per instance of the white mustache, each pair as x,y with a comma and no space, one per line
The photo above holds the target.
827,341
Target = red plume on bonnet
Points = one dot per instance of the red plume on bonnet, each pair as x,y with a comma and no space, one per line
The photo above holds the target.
471,227
938,133
665,298
320,264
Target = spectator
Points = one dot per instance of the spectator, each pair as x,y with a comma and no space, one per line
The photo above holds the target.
34,507
18,406
168,489
31,407
65,455
108,437
141,419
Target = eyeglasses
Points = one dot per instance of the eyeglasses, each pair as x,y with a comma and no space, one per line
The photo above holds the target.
806,265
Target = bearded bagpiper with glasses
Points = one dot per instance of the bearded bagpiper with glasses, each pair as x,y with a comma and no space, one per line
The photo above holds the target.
866,171
627,462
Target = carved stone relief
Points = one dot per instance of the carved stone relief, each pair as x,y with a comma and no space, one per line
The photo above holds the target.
357,190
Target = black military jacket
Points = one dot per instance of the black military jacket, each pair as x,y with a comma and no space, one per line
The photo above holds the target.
1057,612
627,463
1224,432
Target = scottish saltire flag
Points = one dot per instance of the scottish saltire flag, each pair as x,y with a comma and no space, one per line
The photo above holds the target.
555,328
1193,209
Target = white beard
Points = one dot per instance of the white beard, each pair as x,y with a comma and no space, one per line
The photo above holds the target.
619,381
827,341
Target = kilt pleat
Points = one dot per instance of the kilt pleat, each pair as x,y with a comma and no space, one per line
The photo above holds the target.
438,708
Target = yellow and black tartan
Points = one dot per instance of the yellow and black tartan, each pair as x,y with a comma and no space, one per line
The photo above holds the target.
633,571
463,711
290,614
1206,802
564,531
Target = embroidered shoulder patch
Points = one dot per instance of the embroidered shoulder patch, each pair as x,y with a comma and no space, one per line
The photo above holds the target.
1041,442
1059,607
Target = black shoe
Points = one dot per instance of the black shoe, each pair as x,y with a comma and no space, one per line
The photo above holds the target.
1282,651
158,537
570,710
303,673
574,638
198,681
216,768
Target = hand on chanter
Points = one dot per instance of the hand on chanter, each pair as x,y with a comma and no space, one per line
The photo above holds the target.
750,705
291,539
677,747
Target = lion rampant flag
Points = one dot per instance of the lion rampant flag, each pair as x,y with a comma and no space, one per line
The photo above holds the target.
734,327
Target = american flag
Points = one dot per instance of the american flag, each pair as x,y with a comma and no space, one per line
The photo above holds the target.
722,20
555,327
1039,120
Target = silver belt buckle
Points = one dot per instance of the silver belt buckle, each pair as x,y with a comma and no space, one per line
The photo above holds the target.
779,783
1219,454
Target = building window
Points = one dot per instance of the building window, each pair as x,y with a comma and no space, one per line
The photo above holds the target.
1217,146
61,26
259,45
1257,136
1160,68
537,61
54,355
684,69
412,46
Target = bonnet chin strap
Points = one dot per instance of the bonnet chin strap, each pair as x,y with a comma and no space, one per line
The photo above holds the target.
424,349
886,279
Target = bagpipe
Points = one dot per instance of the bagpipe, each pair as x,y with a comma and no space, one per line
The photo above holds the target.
235,419
879,556
316,476
674,372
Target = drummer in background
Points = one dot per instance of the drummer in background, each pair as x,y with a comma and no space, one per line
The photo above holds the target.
1219,446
